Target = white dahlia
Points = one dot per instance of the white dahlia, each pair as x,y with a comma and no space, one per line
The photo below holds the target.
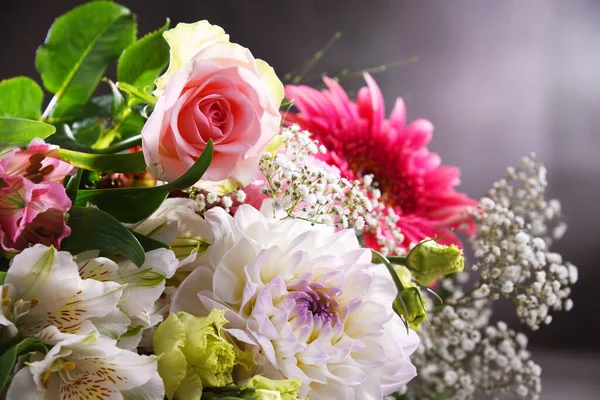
307,301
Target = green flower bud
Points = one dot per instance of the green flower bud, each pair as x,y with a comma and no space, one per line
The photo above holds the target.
194,355
411,308
432,260
183,246
268,389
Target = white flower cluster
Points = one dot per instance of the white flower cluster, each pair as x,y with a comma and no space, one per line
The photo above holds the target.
382,221
303,187
462,354
515,227
207,200
459,359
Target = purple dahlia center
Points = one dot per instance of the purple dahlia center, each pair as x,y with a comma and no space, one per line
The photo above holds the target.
316,302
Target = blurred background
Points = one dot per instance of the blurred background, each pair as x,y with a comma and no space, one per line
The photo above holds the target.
498,79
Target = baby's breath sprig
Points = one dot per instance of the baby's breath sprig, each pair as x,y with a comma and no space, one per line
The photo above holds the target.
301,186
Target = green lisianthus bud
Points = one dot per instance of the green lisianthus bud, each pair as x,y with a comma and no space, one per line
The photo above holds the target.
268,389
194,354
411,308
432,260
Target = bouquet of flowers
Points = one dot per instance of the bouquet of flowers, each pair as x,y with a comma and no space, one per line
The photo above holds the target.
195,229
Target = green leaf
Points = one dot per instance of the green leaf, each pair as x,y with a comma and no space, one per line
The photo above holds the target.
19,132
118,102
98,107
2,277
20,97
148,243
87,131
79,47
143,61
93,229
10,356
66,140
73,185
113,163
131,125
134,204
137,93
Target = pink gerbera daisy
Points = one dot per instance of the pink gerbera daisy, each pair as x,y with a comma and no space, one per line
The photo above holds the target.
361,141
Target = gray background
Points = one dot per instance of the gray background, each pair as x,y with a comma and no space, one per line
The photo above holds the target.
499,79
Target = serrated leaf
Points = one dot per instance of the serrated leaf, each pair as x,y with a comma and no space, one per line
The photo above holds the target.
19,131
112,163
79,47
143,61
10,356
93,229
21,97
134,204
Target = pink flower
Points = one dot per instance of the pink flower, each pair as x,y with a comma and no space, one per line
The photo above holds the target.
219,92
31,213
361,141
39,162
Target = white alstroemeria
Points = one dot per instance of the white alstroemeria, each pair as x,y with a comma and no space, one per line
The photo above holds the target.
176,223
85,367
43,288
144,287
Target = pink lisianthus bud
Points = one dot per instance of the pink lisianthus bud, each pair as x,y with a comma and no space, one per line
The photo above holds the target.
31,213
40,162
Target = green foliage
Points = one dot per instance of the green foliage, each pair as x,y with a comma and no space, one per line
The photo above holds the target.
93,229
134,204
19,132
124,163
73,185
148,243
79,47
20,97
10,356
143,61
65,139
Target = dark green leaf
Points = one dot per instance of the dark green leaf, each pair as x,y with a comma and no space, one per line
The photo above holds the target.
113,163
73,185
2,277
66,140
9,358
143,61
19,132
87,131
131,125
148,243
98,107
93,229
118,102
134,204
124,145
79,47
21,97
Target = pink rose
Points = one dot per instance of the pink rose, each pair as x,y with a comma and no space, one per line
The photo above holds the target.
219,91
31,213
39,162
